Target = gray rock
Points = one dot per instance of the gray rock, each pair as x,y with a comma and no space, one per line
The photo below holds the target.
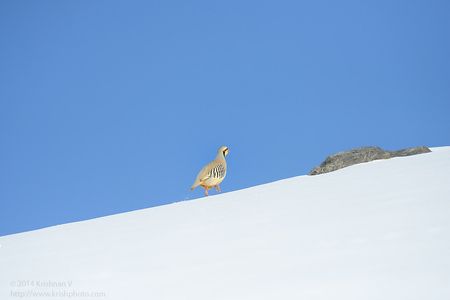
361,155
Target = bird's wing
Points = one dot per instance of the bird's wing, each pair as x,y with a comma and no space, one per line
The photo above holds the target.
203,175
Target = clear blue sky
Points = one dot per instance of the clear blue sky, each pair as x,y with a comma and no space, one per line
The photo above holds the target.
112,106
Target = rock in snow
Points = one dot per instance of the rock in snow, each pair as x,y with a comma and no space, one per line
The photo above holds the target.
379,230
362,155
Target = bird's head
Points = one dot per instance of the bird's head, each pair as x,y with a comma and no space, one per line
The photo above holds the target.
224,150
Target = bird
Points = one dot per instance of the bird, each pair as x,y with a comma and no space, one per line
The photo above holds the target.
213,173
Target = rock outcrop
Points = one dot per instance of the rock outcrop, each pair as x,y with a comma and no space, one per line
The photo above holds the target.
360,155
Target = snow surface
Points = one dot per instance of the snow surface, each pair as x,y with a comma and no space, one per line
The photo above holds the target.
378,230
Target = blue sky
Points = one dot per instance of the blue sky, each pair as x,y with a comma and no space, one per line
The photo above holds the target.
112,106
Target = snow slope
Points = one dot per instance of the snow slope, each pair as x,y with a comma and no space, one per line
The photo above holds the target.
379,230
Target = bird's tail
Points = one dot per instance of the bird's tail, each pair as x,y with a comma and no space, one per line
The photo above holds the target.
196,184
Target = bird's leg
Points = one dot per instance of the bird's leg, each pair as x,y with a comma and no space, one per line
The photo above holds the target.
206,190
218,188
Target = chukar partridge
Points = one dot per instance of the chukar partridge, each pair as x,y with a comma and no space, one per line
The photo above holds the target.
213,173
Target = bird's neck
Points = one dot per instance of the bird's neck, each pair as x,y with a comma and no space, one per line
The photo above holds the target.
220,156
